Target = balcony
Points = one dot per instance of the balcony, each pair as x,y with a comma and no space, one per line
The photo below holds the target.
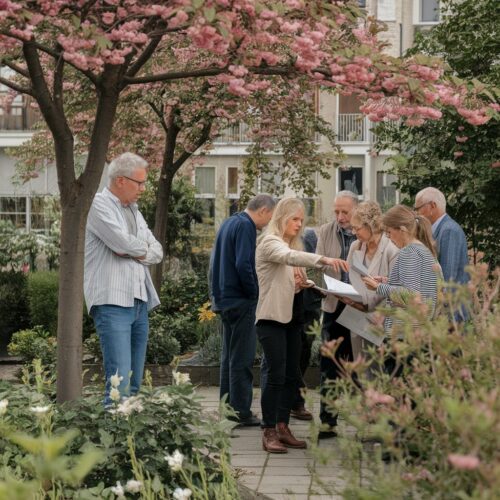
352,127
235,134
17,117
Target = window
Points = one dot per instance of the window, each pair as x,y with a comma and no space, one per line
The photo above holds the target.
13,208
426,11
387,195
232,182
386,10
204,181
351,179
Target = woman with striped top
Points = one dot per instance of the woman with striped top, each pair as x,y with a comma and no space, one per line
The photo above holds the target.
415,270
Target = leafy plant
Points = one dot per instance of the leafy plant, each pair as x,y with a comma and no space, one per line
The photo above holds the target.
436,411
13,304
34,343
43,289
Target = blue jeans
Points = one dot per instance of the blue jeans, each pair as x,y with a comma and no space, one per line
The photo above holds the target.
237,358
123,334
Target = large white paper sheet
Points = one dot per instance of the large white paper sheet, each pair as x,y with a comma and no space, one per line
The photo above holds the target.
357,322
343,289
358,266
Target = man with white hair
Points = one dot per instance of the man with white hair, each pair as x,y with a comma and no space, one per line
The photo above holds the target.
334,240
449,236
119,292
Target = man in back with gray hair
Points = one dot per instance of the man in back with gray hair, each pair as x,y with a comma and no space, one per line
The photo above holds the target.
450,238
234,291
119,248
334,240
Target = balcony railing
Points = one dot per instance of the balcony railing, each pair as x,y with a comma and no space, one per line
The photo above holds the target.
235,134
352,128
17,117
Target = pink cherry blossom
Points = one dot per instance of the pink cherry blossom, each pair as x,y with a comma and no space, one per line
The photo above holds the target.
463,138
458,154
463,462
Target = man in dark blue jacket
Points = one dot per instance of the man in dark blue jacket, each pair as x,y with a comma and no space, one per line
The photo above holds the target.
235,290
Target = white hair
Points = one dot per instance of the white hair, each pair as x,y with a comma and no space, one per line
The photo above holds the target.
125,165
433,194
348,194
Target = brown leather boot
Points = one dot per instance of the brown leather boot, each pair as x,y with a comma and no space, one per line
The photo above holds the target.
286,437
270,441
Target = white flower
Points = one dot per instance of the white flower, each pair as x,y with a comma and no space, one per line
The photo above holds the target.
114,394
3,406
165,398
40,410
115,380
129,405
180,378
175,460
182,494
118,490
133,486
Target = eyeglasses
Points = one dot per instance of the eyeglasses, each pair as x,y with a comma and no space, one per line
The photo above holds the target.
139,183
416,209
356,228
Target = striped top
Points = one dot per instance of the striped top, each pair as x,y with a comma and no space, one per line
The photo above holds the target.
415,271
111,274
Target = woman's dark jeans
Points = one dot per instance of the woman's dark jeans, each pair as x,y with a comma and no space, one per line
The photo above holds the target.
282,345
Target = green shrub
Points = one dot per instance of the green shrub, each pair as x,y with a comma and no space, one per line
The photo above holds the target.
162,343
132,440
438,419
34,343
181,297
13,304
43,289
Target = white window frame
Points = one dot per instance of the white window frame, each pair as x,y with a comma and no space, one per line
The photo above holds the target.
417,8
361,195
206,195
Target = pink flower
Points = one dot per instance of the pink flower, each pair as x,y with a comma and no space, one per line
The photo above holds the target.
495,164
373,398
458,154
463,138
463,462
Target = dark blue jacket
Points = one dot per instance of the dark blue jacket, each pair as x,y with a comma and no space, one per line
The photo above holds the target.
233,279
452,250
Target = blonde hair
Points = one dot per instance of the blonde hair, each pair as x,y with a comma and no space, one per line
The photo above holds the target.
417,226
284,211
369,214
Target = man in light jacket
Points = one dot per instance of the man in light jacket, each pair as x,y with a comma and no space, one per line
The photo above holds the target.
334,240
119,292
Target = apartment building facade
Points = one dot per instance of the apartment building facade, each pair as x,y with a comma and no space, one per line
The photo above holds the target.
218,179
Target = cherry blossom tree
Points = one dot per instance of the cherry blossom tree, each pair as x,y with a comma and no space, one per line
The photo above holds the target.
116,44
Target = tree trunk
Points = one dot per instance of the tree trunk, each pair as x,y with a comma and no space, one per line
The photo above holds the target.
161,217
70,311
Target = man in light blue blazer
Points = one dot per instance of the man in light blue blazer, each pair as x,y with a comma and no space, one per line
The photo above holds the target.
449,236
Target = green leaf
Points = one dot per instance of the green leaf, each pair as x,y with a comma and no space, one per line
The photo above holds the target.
209,14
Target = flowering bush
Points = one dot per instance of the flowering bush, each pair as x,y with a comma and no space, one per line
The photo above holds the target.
437,415
155,444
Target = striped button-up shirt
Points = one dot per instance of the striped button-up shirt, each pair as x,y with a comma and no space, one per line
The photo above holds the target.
112,275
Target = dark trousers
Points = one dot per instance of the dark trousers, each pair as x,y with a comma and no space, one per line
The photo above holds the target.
305,353
237,358
281,345
331,330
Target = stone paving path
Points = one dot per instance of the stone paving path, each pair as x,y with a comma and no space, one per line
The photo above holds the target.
287,476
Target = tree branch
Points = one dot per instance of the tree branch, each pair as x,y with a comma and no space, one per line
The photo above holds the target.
160,115
17,88
205,134
179,75
144,57
58,85
15,67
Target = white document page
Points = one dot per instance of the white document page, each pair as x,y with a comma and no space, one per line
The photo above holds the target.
358,266
358,323
343,289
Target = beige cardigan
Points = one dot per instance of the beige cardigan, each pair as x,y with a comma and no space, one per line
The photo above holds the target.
381,265
273,261
329,246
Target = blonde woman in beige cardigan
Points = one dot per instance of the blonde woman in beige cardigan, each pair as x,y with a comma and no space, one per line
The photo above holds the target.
278,326
376,252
